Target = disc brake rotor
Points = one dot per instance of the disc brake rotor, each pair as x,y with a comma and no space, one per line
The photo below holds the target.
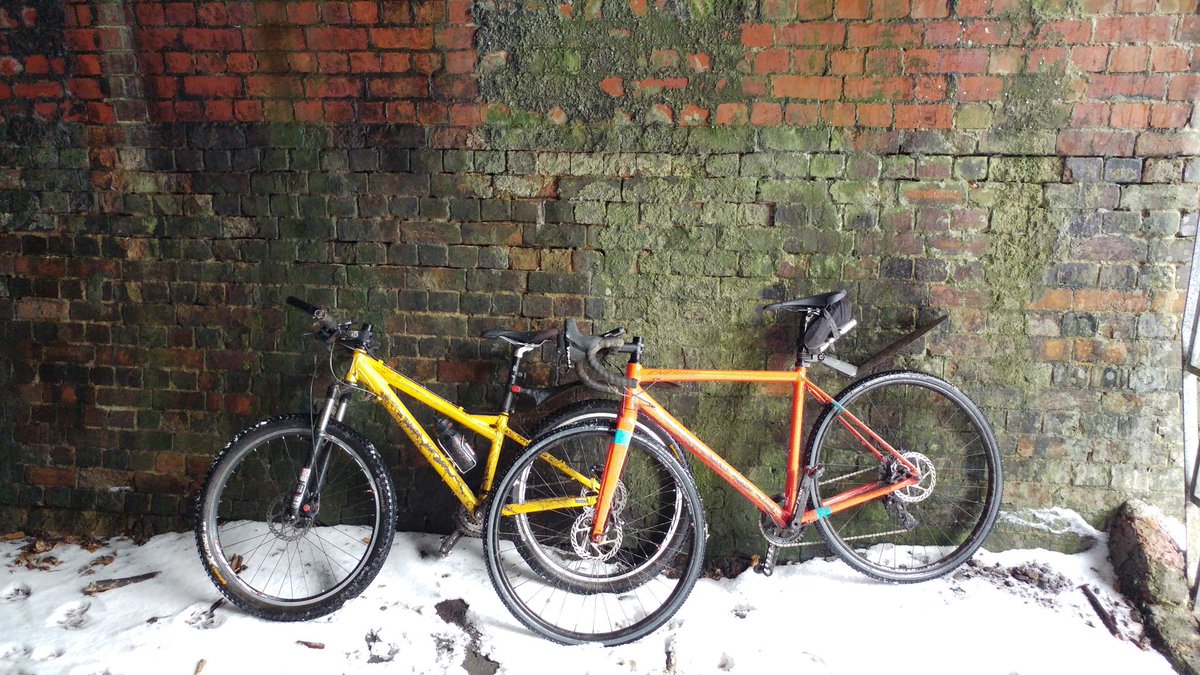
922,489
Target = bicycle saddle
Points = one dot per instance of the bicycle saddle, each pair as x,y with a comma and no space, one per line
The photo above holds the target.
811,302
517,337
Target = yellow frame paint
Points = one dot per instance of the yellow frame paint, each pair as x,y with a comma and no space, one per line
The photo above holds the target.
376,377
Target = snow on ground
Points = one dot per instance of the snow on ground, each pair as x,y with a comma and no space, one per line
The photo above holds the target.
1011,612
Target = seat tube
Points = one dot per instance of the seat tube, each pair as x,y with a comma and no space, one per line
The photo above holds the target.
794,470
617,450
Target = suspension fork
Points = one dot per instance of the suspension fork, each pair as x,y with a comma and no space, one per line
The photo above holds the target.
312,475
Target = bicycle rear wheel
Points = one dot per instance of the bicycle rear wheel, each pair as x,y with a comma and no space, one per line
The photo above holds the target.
294,567
568,589
925,530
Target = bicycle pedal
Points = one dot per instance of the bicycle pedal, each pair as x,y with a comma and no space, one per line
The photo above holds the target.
449,542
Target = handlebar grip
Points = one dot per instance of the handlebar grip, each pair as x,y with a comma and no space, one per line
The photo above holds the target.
599,371
302,305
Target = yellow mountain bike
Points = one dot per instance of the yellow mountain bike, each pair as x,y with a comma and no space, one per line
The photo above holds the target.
297,513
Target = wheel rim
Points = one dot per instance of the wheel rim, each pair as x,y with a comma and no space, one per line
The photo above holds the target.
291,561
601,595
931,527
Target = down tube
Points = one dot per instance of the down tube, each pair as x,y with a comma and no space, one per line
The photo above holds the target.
710,458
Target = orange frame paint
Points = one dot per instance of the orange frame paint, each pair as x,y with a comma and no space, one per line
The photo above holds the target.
637,400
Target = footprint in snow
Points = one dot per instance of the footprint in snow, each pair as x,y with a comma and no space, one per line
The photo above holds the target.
13,651
71,616
15,592
204,617
45,653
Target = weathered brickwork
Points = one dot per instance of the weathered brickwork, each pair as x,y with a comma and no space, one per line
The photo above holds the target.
169,171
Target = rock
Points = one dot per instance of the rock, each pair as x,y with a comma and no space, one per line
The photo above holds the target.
1150,572
1051,529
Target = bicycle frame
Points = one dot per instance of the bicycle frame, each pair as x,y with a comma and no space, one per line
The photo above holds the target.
383,382
796,492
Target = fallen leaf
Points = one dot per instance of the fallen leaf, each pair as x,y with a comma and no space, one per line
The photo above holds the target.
311,645
13,536
200,667
109,584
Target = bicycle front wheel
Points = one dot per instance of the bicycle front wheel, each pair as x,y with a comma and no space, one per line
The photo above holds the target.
554,578
925,530
293,567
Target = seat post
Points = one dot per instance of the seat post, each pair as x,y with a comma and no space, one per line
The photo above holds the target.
513,375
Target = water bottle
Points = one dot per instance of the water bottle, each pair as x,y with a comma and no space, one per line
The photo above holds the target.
455,445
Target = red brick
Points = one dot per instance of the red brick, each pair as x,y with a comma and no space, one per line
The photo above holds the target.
466,114
364,12
50,476
212,14
851,9
402,38
241,62
1092,59
333,87
429,11
1184,88
400,87
180,14
935,116
815,9
878,88
989,33
693,116
213,39
799,86
149,14
1169,59
459,11
892,35
1137,29
1189,29
890,9
1135,6
336,39
427,62
772,61
303,13
802,114
1170,115
754,86
1006,61
930,9
943,33
429,112
1092,143
371,112
401,112
336,13
733,114
212,85
218,111
274,86
457,37
808,61
986,88
1168,144
40,89
332,63
930,89
338,111
455,87
777,10
309,111
1090,114
846,62
883,62
875,115
816,33
248,111
1129,59
766,114
392,62
838,114
613,86
1071,32
758,35
1130,115
700,63
1127,86
85,88
274,38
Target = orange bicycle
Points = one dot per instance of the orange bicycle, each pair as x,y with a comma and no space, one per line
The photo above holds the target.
900,474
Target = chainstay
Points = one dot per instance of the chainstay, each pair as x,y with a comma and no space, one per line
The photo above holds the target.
800,544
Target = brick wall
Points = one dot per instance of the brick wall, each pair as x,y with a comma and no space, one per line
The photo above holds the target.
169,171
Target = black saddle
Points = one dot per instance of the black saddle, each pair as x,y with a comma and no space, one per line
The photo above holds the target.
529,338
818,302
